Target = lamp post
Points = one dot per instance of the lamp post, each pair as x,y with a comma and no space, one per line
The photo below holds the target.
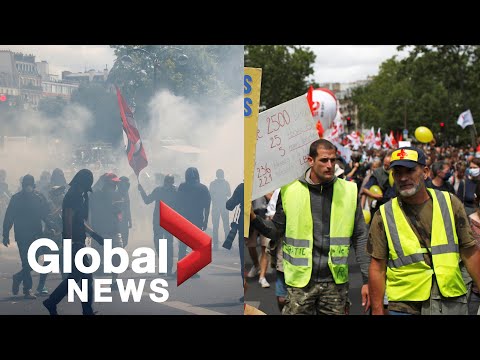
158,58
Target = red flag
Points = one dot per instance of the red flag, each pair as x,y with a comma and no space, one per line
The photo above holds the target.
319,129
310,99
393,141
133,144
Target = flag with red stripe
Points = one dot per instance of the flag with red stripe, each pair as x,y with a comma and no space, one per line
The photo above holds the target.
133,144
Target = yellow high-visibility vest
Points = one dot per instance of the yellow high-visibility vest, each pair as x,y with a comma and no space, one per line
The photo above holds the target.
409,278
298,243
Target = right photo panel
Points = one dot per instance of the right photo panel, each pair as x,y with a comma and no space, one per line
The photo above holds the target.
362,180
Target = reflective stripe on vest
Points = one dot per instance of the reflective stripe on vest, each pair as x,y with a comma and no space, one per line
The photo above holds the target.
409,278
298,242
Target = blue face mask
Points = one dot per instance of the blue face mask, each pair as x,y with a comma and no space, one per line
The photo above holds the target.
474,172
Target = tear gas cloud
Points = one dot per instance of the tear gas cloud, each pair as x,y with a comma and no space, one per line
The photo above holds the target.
33,143
180,133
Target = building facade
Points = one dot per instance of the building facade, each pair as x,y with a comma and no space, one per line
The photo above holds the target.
22,80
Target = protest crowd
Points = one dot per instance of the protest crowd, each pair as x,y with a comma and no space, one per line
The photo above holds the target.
407,207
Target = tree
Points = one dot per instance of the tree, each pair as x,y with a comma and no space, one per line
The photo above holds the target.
433,84
212,73
285,71
104,107
52,107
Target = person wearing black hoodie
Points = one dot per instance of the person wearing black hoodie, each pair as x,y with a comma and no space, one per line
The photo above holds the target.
168,194
193,203
74,216
58,178
25,212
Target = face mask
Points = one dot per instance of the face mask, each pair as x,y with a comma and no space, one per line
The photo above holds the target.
475,172
447,176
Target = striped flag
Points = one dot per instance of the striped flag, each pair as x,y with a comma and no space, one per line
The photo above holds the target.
133,144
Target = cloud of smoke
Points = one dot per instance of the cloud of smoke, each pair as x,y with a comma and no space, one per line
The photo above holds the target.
34,142
184,134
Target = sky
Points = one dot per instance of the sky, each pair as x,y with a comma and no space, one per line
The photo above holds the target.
348,63
334,63
74,58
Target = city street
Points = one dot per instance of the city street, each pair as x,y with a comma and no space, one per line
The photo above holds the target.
216,292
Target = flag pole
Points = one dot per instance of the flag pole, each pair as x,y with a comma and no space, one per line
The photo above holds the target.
474,135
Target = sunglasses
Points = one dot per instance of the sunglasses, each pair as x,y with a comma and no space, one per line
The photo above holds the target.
325,160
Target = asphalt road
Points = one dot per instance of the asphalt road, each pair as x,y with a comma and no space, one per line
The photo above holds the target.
216,292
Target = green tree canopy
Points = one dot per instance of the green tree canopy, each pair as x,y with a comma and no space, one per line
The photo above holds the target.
433,84
286,71
52,106
107,126
200,73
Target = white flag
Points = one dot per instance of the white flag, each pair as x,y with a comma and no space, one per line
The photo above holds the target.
465,119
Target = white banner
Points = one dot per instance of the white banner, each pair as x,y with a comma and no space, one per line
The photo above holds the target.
284,135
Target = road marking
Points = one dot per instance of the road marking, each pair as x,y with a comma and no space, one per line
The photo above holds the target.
255,304
189,308
224,267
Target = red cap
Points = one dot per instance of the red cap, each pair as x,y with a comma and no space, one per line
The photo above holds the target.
112,177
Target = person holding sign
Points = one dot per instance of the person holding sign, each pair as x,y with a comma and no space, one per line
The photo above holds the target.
320,217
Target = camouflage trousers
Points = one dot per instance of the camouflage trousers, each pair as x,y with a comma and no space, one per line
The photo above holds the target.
326,298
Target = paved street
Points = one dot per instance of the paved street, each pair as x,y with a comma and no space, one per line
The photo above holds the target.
216,292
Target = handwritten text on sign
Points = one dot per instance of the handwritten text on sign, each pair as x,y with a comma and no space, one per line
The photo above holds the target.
284,135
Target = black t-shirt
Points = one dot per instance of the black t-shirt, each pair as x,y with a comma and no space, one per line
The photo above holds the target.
106,213
165,193
446,186
25,212
193,202
79,205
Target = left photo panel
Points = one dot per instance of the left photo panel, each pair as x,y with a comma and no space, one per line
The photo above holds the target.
121,179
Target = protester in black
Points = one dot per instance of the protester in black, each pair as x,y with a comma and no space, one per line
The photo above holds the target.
193,203
168,194
74,215
234,201
26,211
220,192
105,217
52,231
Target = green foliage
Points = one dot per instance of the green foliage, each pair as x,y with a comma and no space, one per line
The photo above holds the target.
104,107
285,71
52,107
432,84
211,73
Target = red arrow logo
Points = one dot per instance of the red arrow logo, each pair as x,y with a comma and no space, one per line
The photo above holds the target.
189,234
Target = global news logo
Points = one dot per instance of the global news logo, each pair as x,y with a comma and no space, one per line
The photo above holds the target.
143,262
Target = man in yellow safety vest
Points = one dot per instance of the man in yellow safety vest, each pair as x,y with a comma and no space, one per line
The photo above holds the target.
419,242
321,217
